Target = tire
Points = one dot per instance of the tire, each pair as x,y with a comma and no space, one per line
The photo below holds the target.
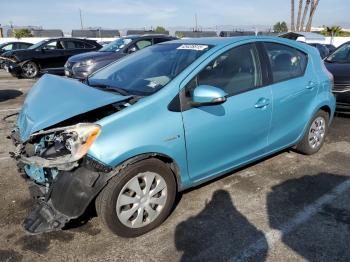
30,70
315,134
113,212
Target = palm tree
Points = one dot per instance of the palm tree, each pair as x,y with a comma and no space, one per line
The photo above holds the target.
314,5
300,8
333,30
292,27
306,9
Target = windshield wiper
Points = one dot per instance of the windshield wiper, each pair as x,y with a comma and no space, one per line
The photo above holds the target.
118,90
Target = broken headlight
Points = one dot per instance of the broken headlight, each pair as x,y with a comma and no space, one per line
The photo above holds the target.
79,139
60,147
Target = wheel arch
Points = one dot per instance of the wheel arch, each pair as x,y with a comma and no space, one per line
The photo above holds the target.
167,160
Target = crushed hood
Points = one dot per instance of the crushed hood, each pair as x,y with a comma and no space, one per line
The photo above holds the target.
54,99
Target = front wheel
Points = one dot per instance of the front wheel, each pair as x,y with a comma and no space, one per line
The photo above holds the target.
315,135
30,70
138,199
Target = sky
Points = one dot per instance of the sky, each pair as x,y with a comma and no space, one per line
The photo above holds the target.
118,14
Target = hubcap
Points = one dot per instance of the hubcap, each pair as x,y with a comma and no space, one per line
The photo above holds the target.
317,132
141,200
29,69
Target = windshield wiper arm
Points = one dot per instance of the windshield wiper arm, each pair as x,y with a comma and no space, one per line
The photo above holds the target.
119,90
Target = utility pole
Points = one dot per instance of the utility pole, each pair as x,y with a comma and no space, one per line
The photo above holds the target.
81,20
195,19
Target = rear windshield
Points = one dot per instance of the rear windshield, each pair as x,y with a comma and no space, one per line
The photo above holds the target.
341,55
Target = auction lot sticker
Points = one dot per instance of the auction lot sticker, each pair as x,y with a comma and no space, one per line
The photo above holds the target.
193,47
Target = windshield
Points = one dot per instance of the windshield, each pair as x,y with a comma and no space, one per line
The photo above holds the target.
116,45
38,44
147,71
341,55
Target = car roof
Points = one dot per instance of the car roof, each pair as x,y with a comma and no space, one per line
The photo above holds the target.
16,42
222,41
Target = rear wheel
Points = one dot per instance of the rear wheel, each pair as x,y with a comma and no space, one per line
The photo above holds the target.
315,134
30,70
138,199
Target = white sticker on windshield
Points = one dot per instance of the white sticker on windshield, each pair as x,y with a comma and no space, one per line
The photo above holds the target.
193,47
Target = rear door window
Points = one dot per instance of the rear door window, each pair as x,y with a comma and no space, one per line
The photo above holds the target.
22,46
286,62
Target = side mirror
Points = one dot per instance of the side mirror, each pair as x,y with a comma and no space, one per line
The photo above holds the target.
132,50
204,95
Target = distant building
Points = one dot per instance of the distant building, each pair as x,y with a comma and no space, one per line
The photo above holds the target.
47,33
96,33
245,33
195,34
144,32
235,33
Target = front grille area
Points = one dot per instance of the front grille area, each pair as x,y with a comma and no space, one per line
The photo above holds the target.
341,88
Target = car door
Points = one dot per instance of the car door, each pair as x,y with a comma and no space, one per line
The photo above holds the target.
50,55
220,137
294,87
73,47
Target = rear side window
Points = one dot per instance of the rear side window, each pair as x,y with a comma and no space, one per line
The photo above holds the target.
286,62
88,46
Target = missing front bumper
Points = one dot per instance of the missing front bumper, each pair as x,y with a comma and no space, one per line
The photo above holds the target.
68,197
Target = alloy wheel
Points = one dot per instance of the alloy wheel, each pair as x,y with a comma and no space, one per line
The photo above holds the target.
30,70
317,132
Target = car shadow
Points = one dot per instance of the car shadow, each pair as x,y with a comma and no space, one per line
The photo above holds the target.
325,235
8,94
218,233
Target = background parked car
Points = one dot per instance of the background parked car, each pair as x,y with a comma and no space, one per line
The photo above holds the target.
46,56
82,65
338,63
324,51
9,46
12,46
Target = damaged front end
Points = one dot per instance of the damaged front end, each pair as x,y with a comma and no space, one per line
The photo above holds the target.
54,131
63,179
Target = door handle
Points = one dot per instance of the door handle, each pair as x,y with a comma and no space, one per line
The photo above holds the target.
262,103
311,85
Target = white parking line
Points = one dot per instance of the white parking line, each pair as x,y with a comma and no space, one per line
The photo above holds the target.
273,236
5,158
10,109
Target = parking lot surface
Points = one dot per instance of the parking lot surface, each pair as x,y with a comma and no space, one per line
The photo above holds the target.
287,207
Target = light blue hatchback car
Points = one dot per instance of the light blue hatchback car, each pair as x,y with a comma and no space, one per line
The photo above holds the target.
164,119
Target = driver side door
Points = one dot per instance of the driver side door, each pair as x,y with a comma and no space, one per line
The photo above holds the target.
221,137
51,55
